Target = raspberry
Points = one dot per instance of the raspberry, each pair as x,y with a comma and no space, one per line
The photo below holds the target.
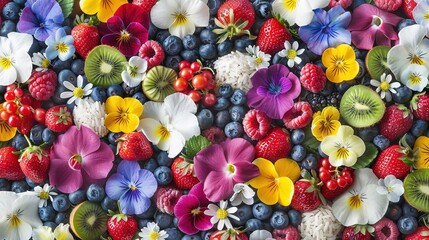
388,5
386,229
313,78
256,124
152,52
145,4
298,116
42,84
166,199
214,134
343,3
290,233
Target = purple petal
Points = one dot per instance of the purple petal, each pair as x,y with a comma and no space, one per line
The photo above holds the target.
129,169
339,36
134,202
285,84
245,171
28,22
138,31
87,141
202,221
63,177
132,13
48,10
238,150
364,39
186,224
115,24
28,3
99,163
116,186
339,18
259,78
185,205
284,103
146,183
211,158
129,47
381,39
218,186
276,72
262,91
296,86
110,39
268,105
362,17
388,31
41,34
198,191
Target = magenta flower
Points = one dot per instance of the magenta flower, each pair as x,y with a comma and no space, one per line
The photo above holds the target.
190,208
220,166
78,159
371,25
127,30
274,90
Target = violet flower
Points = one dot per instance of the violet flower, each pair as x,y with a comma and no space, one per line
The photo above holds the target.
190,208
220,166
41,18
78,159
132,186
371,25
274,90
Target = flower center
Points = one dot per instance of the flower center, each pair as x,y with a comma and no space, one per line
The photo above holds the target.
290,5
14,220
45,63
125,36
133,187
291,54
62,47
426,16
377,21
78,92
326,127
342,153
180,19
5,63
163,133
415,79
133,71
384,86
355,202
416,60
44,195
153,235
75,162
195,211
274,89
221,213
230,168
339,63
259,60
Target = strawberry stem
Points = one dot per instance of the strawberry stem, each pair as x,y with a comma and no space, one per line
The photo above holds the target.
28,140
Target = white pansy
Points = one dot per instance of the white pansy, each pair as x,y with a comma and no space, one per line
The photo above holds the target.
298,12
242,194
415,77
135,71
392,187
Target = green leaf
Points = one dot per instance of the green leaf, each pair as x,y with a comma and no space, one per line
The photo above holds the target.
194,145
310,142
368,156
3,144
66,6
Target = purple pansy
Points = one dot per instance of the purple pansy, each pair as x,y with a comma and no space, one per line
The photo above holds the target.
132,186
41,18
273,90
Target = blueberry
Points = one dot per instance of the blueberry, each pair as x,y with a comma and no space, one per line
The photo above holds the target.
48,136
129,91
190,42
206,234
225,47
244,213
237,113
164,220
19,186
310,162
173,62
99,94
405,23
56,99
77,197
59,65
419,128
407,224
279,220
163,159
193,237
95,193
298,153
172,45
263,9
113,137
189,55
173,233
368,134
238,97
297,136
408,210
7,26
144,221
403,94
61,203
262,211
162,35
30,183
150,164
221,104
67,75
381,142
242,42
233,130
47,213
50,224
20,2
115,90
208,37
394,212
294,217
62,217
253,224
77,66
344,86
4,184
410,139
208,51
163,175
205,118
19,142
36,134
213,6
140,96
225,90
222,118
11,11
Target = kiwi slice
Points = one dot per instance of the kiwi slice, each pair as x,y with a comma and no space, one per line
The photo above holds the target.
88,221
158,83
376,61
416,186
104,65
361,106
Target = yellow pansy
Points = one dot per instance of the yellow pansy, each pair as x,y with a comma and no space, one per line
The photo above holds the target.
6,132
122,114
275,183
103,8
340,63
325,123
422,145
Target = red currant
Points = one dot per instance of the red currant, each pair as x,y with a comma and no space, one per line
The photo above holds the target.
209,100
39,115
18,92
348,179
10,88
11,107
25,110
208,74
4,115
199,82
195,95
195,66
341,181
180,85
325,163
211,85
184,64
331,184
14,120
325,176
26,100
9,96
186,73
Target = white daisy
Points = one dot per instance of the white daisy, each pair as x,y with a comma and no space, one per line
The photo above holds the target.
76,93
151,232
258,59
220,214
44,194
291,52
242,194
41,61
384,87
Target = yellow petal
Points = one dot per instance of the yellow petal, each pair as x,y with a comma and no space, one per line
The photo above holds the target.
328,57
346,51
331,113
266,168
317,114
112,122
134,106
131,124
269,194
6,132
334,74
260,181
422,144
287,168
286,189
322,128
108,8
90,7
114,104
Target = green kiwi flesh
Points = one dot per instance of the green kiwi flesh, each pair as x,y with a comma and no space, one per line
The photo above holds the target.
104,65
158,83
361,106
376,61
416,186
88,221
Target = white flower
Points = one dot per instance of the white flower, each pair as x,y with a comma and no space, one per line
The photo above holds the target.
361,204
15,63
392,187
421,13
297,11
19,215
169,124
135,72
92,115
151,232
221,214
258,59
44,194
415,77
384,87
242,193
180,17
291,52
261,235
76,93
43,233
62,232
41,61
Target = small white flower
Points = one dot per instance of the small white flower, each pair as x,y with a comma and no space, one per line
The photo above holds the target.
261,235
151,232
392,187
41,61
220,214
92,115
62,232
135,72
258,59
242,193
43,233
291,52
384,87
44,194
76,93
415,77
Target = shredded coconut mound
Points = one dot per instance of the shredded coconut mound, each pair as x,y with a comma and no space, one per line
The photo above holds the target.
234,69
91,114
319,224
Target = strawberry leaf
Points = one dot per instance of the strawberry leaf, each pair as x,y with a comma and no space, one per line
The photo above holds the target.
66,6
194,145
368,156
4,144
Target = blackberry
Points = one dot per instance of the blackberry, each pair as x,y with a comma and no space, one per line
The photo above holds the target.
318,101
209,63
129,91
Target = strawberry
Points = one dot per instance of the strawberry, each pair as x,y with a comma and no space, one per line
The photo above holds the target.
34,162
85,36
306,195
256,124
356,233
313,78
9,165
134,146
275,145
146,5
42,84
230,234
183,174
272,36
299,116
420,106
396,121
422,233
122,227
58,118
408,7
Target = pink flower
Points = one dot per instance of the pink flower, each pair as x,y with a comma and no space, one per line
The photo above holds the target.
220,166
190,208
78,159
371,25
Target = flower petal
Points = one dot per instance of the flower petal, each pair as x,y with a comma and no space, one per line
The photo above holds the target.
186,224
116,186
133,202
99,163
29,205
113,104
185,205
198,12
209,159
90,7
63,177
150,127
108,8
162,15
182,29
270,194
376,205
218,187
115,24
286,167
134,106
286,190
146,183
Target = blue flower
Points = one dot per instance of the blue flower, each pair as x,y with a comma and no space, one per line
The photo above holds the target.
60,45
41,18
327,29
132,186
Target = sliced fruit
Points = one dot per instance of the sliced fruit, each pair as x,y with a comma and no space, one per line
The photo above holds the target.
158,83
416,186
88,221
376,61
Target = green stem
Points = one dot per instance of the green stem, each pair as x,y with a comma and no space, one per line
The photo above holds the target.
28,140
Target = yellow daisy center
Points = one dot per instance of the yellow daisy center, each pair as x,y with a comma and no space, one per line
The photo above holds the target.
354,202
44,195
45,63
290,5
416,60
384,86
259,60
342,153
5,63
180,19
291,54
14,220
78,92
426,16
221,213
62,47
415,79
153,235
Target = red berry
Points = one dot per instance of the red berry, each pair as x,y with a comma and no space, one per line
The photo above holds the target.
25,110
195,95
196,67
325,163
313,78
199,82
11,107
18,92
14,120
26,100
209,100
341,181
208,74
180,85
4,115
325,176
331,184
299,116
184,64
211,84
10,88
256,124
9,96
39,115
186,73
152,52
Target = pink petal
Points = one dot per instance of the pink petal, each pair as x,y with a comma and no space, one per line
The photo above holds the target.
364,39
209,159
245,171
238,150
60,150
218,186
266,104
186,224
362,17
137,30
115,24
87,141
388,31
129,47
381,39
63,177
198,191
202,221
87,180
276,72
185,205
284,103
132,13
296,86
99,163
